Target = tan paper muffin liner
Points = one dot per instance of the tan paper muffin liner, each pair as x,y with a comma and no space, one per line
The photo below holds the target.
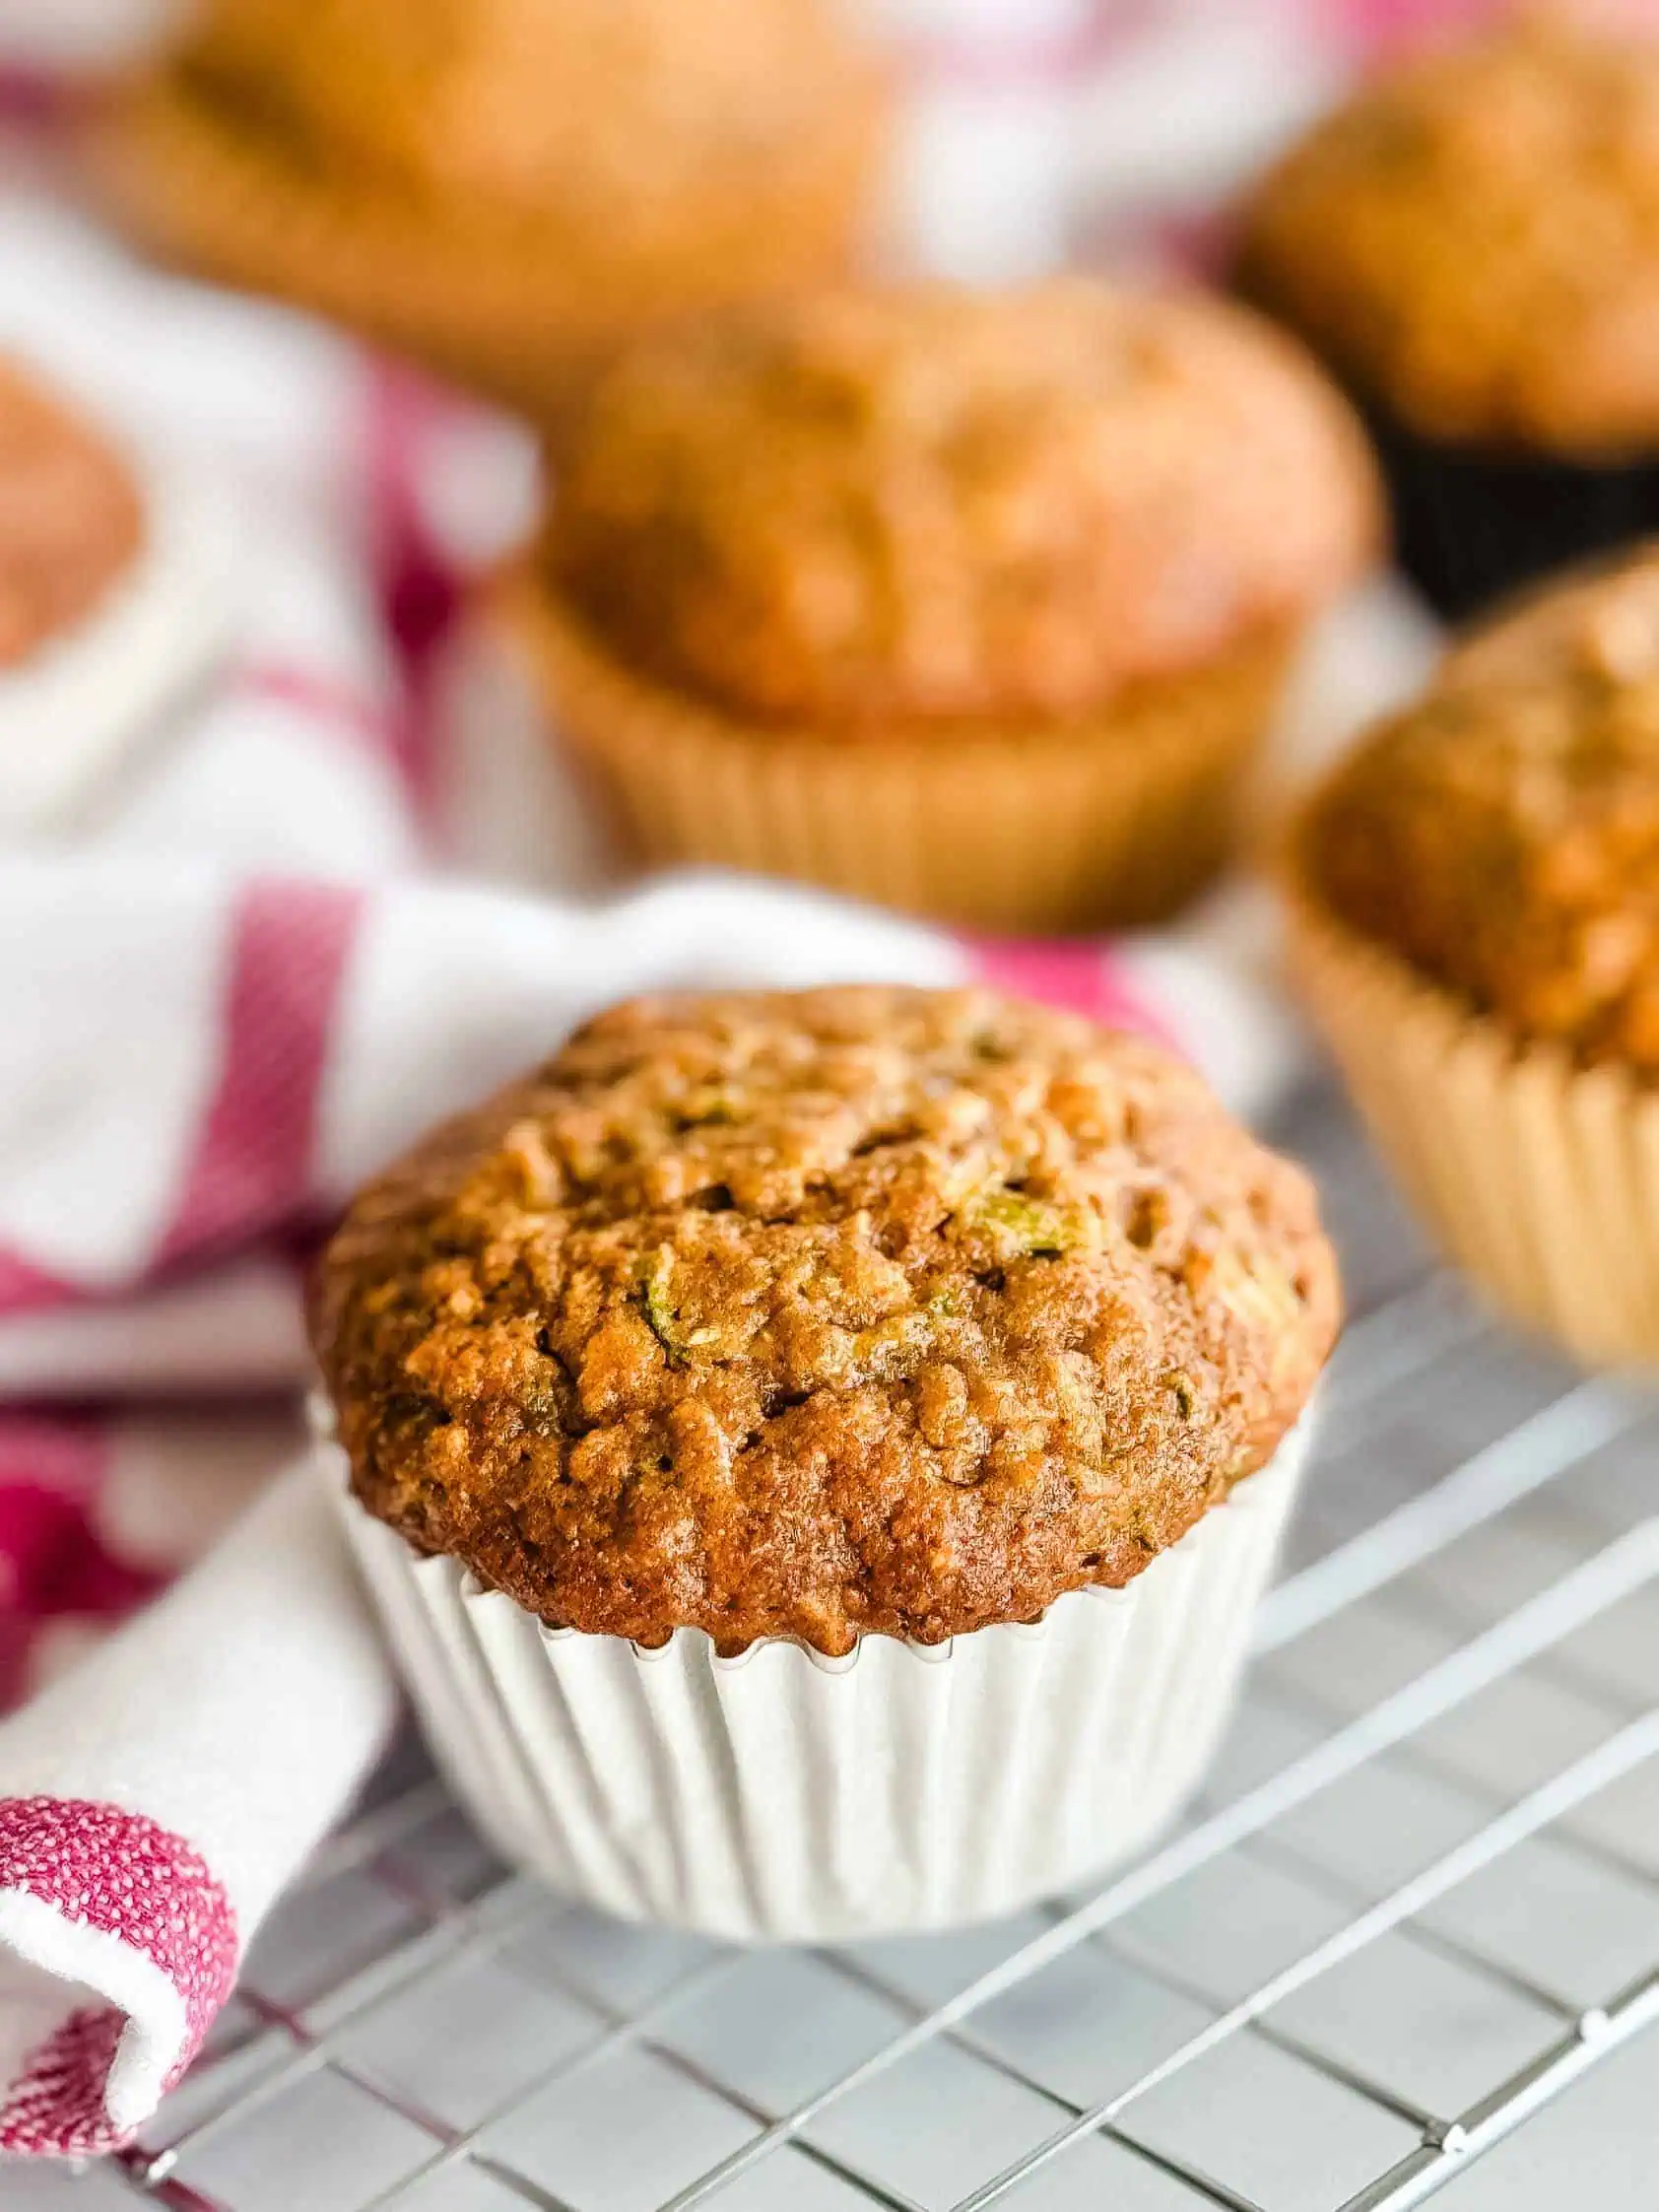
520,313
785,1797
1112,821
1540,1178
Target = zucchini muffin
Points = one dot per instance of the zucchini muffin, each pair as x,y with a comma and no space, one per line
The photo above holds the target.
71,522
1478,891
1473,243
974,604
502,187
824,1328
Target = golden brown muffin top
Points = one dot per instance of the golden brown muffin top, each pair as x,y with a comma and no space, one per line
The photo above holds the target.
820,1314
937,504
1473,239
1503,834
587,111
70,519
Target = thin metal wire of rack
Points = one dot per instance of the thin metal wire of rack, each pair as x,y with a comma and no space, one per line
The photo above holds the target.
1416,1911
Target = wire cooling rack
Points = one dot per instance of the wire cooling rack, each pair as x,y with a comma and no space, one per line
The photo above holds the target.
1407,1941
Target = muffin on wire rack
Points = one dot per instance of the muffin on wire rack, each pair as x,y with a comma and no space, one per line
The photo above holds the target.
504,188
973,604
1471,242
1476,905
818,1452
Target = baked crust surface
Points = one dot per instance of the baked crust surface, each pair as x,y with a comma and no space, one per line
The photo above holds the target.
822,1313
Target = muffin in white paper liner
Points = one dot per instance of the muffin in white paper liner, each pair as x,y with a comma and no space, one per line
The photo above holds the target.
780,1795
80,702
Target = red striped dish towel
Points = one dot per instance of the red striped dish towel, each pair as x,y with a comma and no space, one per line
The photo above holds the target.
220,774
154,1807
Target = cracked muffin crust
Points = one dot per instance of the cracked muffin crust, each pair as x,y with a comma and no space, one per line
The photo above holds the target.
822,1313
1474,237
1503,834
927,504
70,517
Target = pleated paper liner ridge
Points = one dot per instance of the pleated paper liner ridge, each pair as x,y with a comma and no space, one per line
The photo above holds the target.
519,312
1109,822
1541,1178
784,1796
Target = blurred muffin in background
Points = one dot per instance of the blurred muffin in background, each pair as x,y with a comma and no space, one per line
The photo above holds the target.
503,187
1476,895
116,586
70,518
975,604
1473,243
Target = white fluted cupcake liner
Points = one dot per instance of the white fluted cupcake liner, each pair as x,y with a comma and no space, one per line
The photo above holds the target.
784,1796
72,712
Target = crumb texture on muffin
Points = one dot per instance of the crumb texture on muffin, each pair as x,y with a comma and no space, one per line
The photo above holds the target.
934,504
1502,833
598,115
70,518
820,1314
1475,238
